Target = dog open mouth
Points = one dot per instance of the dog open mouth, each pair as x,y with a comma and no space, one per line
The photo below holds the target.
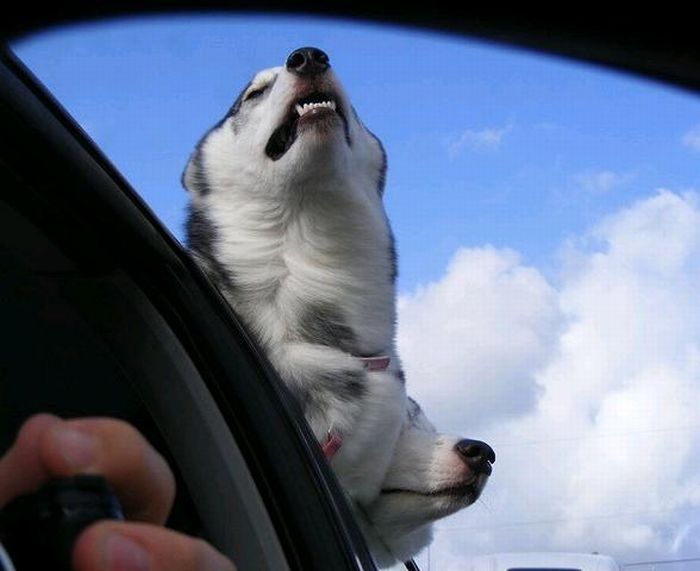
314,107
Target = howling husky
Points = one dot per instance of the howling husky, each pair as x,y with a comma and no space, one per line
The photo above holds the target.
286,216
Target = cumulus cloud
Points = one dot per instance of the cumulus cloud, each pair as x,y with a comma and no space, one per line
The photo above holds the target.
487,138
588,389
476,335
692,138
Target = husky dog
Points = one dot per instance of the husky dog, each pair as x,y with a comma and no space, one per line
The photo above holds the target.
286,216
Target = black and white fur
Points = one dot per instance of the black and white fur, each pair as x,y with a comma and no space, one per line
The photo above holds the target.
286,215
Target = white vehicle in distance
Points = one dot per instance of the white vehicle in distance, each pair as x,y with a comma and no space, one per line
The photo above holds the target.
543,561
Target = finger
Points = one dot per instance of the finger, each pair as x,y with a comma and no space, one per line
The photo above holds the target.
53,447
120,546
21,469
138,474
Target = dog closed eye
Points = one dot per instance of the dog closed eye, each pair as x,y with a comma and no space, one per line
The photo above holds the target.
255,93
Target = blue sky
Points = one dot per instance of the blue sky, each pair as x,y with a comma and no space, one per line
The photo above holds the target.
485,145
548,222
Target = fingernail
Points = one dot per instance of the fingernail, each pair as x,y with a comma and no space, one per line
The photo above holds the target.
124,554
78,449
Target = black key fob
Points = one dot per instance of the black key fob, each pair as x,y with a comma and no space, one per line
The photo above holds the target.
37,530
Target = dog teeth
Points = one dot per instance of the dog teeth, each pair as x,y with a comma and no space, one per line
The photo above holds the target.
303,109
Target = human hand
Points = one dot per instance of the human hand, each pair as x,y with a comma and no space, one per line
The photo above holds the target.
48,447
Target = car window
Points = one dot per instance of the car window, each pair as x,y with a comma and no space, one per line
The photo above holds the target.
547,220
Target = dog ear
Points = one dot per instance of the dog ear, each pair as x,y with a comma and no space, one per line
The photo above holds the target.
193,179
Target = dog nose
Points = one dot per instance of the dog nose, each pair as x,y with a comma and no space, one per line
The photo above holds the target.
477,455
308,62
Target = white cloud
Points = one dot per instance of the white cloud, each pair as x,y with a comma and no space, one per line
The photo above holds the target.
589,391
600,181
692,138
488,138
477,335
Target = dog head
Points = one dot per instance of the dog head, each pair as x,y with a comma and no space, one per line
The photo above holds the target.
431,476
292,128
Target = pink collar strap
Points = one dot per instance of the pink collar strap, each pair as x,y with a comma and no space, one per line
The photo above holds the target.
334,440
332,444
380,363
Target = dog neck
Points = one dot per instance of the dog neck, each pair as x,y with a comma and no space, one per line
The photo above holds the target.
324,244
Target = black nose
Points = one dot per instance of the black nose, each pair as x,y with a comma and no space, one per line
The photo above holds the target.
308,62
477,455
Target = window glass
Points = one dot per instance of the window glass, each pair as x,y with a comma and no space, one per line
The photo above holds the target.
547,217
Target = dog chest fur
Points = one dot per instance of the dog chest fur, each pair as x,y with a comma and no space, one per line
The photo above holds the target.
321,257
